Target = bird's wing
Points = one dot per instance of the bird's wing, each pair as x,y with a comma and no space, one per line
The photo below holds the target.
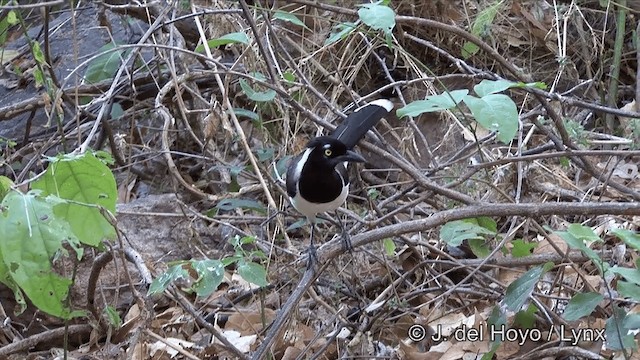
353,128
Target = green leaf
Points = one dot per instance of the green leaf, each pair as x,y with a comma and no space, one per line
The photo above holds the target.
522,248
289,17
38,76
5,186
31,236
518,292
231,38
628,290
389,247
297,225
238,203
247,113
433,103
617,334
582,232
455,232
481,27
487,223
378,17
265,154
629,237
526,319
340,32
257,96
38,55
253,273
106,65
495,112
12,18
210,275
116,111
497,320
85,182
486,87
113,316
577,243
479,247
163,281
469,49
289,76
632,275
582,304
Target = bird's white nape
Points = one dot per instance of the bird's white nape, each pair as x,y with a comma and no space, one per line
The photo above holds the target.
384,103
298,169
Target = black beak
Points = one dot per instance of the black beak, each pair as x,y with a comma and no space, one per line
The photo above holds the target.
352,156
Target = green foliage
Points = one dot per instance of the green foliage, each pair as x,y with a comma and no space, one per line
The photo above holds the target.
106,65
576,131
389,247
231,38
444,101
494,112
238,203
265,154
5,186
618,329
62,209
209,273
254,94
481,27
10,19
522,248
113,317
618,325
575,237
81,180
526,318
581,304
289,17
378,17
340,31
519,291
472,230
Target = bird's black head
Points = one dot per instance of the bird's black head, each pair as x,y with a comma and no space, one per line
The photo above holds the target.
331,151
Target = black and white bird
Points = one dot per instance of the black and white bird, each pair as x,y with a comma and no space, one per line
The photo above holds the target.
317,179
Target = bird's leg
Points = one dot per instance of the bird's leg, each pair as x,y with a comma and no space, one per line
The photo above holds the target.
346,239
313,257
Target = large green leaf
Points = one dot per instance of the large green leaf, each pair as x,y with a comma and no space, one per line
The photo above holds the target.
378,17
340,32
518,292
105,66
31,236
85,181
255,95
582,304
433,103
455,232
252,272
210,275
231,38
289,17
495,112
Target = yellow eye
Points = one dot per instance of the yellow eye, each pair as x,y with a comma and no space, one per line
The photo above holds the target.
327,152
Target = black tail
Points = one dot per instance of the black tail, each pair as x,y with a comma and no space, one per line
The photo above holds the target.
360,121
